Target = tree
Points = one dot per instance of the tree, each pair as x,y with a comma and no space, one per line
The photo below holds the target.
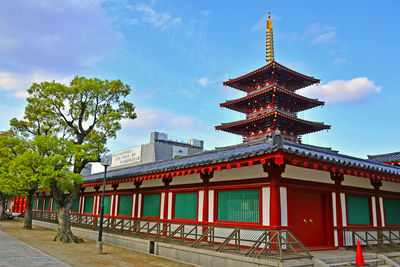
3,200
26,165
11,183
86,113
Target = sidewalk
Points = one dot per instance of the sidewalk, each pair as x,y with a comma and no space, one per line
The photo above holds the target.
16,253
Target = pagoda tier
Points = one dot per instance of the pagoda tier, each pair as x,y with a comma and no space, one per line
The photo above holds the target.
260,126
258,101
271,103
280,75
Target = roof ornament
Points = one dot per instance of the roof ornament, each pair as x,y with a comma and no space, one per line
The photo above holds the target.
270,40
277,139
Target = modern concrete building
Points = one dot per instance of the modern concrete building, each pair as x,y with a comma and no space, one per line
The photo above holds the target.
159,148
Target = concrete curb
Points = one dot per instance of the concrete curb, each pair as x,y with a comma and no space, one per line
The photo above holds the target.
194,256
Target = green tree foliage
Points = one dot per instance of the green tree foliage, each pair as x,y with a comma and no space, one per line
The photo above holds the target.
86,113
27,165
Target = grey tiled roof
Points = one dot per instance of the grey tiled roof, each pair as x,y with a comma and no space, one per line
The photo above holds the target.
243,151
390,157
219,155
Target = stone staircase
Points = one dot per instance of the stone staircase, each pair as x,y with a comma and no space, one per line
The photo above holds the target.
348,258
393,256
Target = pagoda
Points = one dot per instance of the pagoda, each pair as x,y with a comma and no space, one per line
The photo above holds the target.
271,103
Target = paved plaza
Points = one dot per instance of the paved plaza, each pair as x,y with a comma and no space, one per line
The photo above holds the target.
16,253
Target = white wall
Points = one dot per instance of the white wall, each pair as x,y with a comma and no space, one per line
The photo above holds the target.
355,181
301,173
248,172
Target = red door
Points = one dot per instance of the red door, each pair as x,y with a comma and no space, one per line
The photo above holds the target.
309,218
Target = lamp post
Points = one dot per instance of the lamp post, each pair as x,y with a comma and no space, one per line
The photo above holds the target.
105,161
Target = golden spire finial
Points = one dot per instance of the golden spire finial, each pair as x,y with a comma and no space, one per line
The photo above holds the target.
270,40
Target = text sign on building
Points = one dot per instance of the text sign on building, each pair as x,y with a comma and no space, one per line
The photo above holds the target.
179,151
127,156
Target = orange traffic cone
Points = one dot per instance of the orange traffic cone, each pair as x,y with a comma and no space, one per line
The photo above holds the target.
359,258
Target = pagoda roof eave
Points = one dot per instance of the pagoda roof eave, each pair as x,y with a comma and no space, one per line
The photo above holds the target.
229,103
230,125
232,82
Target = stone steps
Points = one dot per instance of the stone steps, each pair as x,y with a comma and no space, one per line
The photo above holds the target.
394,256
346,259
371,262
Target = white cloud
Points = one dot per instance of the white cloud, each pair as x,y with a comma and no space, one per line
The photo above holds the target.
325,37
339,61
57,36
21,82
132,21
318,28
162,20
318,33
182,121
188,93
146,118
161,119
341,91
204,81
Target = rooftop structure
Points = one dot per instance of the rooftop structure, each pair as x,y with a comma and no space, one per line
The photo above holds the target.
159,148
271,102
390,158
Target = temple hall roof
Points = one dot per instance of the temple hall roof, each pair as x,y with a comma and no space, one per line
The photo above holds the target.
248,151
387,158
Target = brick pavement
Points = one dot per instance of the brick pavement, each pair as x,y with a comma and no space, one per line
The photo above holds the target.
16,253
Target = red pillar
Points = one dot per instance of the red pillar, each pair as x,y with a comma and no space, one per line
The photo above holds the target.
206,176
166,182
205,204
377,184
137,190
275,205
274,175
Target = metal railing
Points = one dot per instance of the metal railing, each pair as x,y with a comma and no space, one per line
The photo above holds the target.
251,242
375,239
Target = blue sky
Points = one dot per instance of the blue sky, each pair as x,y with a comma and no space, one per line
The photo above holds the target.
176,54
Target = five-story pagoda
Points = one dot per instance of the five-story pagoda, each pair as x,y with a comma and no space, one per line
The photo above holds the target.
271,102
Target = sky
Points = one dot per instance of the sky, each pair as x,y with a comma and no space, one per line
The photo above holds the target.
176,54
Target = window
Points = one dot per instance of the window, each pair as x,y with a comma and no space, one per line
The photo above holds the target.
40,206
54,205
392,211
238,206
358,210
125,205
107,205
151,205
185,205
75,206
47,204
88,205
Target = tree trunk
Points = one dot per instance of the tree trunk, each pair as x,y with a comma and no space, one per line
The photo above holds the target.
64,225
2,206
28,211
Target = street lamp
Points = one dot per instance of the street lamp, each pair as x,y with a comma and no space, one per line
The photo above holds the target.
105,161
